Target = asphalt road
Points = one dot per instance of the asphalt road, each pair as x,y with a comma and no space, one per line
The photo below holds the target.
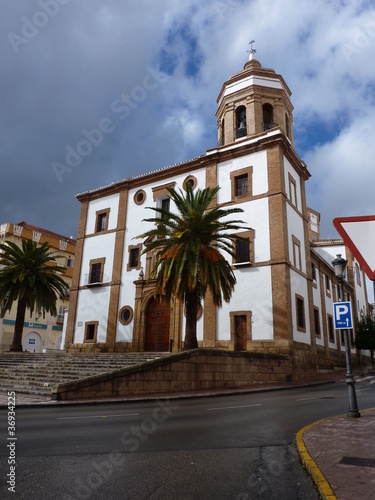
229,447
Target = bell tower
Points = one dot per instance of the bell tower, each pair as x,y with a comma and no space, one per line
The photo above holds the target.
252,102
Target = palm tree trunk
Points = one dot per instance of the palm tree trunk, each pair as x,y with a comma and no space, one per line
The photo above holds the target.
18,327
191,301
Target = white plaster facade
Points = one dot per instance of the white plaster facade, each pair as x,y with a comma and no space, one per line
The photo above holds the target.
277,292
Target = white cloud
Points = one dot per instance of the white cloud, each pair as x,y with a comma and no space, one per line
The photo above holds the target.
64,79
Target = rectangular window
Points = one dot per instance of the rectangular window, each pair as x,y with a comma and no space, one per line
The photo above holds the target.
331,332
328,285
300,310
292,191
60,315
317,322
243,250
313,272
358,274
296,252
165,204
134,257
241,185
96,273
91,329
101,223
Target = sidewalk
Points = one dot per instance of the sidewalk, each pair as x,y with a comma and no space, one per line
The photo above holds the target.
339,454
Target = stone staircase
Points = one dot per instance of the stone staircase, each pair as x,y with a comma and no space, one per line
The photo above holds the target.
35,374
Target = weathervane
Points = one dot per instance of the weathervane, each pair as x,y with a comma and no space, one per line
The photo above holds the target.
252,50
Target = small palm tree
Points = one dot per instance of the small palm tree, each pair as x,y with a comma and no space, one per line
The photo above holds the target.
365,336
28,276
190,259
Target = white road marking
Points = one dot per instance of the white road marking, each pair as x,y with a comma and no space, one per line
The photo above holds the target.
316,397
100,416
232,407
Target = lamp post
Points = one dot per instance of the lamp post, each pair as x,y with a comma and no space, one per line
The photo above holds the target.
339,265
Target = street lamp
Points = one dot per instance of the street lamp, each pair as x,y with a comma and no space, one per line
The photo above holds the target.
339,265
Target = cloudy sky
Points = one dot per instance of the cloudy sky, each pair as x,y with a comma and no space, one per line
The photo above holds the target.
141,78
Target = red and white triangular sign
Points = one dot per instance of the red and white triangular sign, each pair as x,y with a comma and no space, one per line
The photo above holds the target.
358,234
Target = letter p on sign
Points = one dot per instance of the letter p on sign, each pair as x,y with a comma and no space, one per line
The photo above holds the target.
342,312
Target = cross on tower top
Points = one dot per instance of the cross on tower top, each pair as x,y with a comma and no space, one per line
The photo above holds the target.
252,51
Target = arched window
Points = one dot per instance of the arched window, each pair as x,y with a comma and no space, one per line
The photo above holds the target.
287,125
241,129
221,140
267,116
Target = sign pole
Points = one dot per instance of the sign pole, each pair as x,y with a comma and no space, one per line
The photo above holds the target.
353,405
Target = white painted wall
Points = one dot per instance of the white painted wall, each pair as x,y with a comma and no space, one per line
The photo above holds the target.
298,285
253,292
288,169
318,303
296,228
135,225
111,202
96,247
259,180
93,304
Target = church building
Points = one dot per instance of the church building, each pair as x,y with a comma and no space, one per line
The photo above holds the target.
282,302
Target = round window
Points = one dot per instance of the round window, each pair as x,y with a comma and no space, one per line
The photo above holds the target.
139,197
126,315
191,180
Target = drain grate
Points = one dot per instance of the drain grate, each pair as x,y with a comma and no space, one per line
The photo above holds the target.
359,462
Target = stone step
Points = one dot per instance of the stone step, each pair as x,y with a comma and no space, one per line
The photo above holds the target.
36,374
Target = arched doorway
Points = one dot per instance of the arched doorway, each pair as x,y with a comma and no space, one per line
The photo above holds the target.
58,342
32,342
157,325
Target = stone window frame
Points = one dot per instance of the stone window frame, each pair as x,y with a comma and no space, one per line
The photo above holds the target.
314,271
100,261
190,179
88,324
232,315
300,328
328,287
317,331
130,319
250,235
292,190
357,274
162,190
98,216
331,329
239,173
140,197
129,267
297,252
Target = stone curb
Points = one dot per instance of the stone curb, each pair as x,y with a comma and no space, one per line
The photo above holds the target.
311,467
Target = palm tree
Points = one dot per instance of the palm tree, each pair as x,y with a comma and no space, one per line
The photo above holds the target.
189,244
28,276
365,336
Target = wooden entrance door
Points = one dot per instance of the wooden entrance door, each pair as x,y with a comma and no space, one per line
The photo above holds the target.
240,333
157,326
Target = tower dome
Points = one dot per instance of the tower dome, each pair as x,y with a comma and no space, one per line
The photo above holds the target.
252,102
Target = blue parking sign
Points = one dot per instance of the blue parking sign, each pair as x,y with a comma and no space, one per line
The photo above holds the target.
342,313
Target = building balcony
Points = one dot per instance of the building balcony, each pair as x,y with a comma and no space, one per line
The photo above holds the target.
95,279
268,126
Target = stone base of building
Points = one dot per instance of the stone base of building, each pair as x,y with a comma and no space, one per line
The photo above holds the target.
196,370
